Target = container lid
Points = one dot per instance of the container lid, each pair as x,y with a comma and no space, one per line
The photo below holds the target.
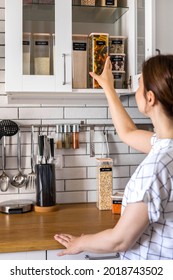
92,34
104,159
118,195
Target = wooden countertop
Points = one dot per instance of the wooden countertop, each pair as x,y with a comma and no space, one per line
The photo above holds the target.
35,231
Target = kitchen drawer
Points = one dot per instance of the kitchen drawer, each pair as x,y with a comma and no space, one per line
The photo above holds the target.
52,255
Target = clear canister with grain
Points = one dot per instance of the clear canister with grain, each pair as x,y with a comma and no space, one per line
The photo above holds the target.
98,52
104,183
117,202
117,44
41,53
88,2
26,53
80,67
118,62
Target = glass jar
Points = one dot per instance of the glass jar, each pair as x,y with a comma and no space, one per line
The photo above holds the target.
67,136
26,53
41,53
75,136
59,137
104,183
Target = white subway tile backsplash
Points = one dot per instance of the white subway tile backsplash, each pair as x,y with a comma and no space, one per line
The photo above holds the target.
8,113
41,113
88,113
81,185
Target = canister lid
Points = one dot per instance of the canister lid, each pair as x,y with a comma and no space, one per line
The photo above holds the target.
118,195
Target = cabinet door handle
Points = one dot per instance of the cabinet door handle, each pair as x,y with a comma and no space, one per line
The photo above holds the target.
116,256
64,66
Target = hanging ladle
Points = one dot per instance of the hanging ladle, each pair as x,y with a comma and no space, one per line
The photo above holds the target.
4,178
19,180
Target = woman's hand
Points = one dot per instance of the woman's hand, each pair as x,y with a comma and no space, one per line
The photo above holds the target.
70,242
105,80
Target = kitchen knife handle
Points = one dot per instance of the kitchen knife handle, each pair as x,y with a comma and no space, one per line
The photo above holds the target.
41,145
52,147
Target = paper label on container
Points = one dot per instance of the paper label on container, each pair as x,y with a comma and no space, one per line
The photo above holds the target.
41,43
117,42
26,43
110,2
100,43
117,58
105,169
79,46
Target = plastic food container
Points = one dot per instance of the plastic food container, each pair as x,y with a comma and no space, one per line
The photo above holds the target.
117,202
41,53
88,2
117,44
98,52
119,80
104,183
80,67
106,3
26,53
118,62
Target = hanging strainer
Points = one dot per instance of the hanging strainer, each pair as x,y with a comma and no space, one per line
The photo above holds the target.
8,128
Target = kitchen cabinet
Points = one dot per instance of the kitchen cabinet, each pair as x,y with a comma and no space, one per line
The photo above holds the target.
133,19
164,23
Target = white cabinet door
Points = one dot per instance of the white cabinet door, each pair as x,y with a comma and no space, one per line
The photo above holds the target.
32,255
52,255
164,23
26,56
139,27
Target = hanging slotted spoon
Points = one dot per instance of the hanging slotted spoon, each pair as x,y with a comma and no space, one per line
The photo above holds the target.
8,128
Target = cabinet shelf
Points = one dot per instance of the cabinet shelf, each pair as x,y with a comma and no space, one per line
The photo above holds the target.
76,97
93,14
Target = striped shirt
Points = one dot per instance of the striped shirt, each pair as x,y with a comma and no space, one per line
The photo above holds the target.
152,182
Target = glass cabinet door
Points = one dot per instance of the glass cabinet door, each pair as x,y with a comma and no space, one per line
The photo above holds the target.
38,57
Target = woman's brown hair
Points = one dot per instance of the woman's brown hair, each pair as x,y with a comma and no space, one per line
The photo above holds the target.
158,77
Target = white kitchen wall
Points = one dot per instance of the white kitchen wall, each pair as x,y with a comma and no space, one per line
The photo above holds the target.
76,181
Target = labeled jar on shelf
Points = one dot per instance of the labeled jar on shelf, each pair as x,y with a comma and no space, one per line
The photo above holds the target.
67,136
119,80
104,183
88,2
75,136
118,62
98,52
117,44
41,53
26,53
80,69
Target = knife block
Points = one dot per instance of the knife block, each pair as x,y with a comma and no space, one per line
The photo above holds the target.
45,185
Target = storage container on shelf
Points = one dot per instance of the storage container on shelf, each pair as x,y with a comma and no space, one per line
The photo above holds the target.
88,2
41,53
118,62
26,53
117,44
98,52
104,183
119,79
106,3
80,65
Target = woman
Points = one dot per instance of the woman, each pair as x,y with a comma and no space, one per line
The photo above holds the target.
145,228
